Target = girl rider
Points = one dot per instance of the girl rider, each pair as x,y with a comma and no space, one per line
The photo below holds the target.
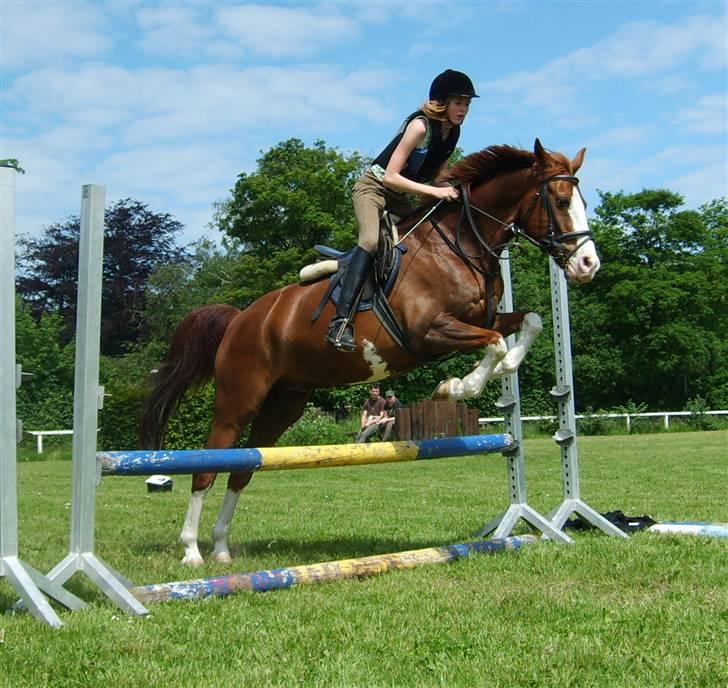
411,163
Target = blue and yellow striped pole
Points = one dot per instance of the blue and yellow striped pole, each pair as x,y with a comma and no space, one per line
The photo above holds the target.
277,579
183,462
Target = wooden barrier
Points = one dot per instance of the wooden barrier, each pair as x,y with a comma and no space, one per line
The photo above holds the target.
435,418
277,579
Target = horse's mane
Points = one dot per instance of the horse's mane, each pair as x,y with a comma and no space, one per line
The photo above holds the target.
488,163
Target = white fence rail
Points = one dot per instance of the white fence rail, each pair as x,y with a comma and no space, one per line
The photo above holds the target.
40,434
628,417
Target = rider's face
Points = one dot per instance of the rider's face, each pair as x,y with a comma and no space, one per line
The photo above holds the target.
457,109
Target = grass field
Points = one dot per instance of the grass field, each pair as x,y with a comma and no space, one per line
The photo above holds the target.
651,611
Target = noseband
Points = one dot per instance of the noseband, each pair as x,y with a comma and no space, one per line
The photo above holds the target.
553,242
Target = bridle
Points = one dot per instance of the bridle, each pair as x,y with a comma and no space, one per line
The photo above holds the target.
553,243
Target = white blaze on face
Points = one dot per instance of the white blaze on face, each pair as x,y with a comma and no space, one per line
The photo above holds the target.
377,364
584,264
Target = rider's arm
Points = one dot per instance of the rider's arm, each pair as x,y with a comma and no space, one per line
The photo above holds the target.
393,178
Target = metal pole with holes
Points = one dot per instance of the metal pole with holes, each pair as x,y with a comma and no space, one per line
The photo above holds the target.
28,583
86,403
510,403
563,392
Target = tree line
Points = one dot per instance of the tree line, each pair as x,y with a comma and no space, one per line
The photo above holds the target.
647,333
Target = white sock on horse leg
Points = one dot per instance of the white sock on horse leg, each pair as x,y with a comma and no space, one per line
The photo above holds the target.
220,532
190,529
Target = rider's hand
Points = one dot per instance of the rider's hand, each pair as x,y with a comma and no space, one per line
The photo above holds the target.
446,193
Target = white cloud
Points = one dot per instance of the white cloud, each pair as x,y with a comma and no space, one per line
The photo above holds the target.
193,173
702,185
637,50
284,31
36,33
624,136
175,29
708,115
696,172
173,138
644,48
161,104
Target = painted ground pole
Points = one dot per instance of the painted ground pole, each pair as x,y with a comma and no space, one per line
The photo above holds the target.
277,579
691,528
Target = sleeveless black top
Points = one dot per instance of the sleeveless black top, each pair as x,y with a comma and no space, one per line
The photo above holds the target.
424,161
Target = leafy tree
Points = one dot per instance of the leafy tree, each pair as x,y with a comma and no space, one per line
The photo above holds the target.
210,274
298,197
137,241
45,400
651,326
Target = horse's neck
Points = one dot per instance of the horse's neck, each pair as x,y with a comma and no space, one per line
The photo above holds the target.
501,196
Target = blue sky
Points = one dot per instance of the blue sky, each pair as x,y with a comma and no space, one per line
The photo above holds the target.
167,102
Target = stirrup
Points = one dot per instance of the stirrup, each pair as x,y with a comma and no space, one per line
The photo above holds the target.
341,334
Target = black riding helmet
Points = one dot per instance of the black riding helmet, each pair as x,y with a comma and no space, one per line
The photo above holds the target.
452,83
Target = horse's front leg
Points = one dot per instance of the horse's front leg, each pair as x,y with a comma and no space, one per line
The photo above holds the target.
454,335
530,327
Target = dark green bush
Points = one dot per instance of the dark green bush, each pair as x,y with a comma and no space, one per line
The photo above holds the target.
119,419
698,419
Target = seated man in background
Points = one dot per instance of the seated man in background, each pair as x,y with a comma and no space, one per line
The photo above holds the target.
391,406
373,413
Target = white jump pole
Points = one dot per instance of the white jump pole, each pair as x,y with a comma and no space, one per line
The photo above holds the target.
563,392
86,403
510,403
28,583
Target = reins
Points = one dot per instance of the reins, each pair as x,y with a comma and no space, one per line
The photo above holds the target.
553,243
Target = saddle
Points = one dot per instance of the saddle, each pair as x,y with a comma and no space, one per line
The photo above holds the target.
378,285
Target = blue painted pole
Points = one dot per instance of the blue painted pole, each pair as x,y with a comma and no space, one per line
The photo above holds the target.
176,462
277,579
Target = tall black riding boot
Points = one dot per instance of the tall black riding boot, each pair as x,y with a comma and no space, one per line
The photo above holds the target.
341,329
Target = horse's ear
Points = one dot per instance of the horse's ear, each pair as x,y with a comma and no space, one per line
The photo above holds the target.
540,154
576,162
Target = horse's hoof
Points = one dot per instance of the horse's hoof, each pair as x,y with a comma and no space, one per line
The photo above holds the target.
222,557
193,562
442,391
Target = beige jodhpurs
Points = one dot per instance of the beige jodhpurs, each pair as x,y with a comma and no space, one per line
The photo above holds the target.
370,198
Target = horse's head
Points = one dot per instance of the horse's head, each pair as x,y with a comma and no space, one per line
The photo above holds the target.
553,215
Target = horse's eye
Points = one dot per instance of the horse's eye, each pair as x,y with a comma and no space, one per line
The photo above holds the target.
563,203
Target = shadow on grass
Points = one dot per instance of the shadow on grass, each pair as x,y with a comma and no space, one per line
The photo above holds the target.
296,553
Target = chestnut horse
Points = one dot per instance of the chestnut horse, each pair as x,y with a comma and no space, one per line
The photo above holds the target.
267,359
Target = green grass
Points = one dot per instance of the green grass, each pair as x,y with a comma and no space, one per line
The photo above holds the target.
651,611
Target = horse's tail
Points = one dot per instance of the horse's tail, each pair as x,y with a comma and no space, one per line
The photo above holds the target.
190,361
